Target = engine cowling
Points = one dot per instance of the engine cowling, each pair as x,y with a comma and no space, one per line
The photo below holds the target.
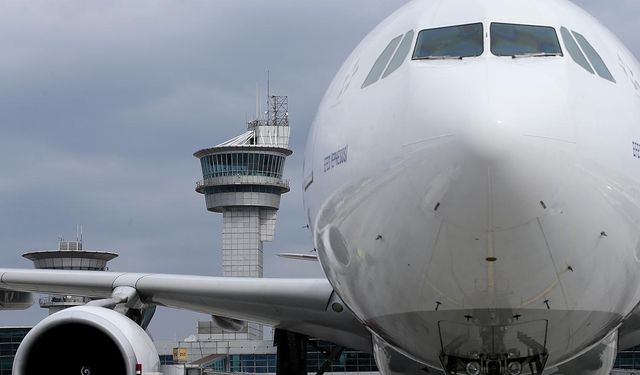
86,340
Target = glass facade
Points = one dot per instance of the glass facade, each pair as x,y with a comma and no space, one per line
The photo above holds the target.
349,361
68,261
253,363
628,359
242,189
242,164
167,360
10,339
218,365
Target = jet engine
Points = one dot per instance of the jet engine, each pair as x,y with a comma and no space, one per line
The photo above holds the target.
86,340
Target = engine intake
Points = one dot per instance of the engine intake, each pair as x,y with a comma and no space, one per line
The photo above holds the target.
86,340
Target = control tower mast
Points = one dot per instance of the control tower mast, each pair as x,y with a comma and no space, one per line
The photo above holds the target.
242,179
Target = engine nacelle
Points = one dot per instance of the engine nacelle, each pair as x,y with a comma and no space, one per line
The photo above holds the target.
86,340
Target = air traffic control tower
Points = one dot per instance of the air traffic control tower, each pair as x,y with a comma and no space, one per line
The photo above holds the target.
242,179
69,256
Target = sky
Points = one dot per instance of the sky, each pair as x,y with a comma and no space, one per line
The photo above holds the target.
103,102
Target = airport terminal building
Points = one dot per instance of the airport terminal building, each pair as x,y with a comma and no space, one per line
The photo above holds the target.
629,359
10,339
254,357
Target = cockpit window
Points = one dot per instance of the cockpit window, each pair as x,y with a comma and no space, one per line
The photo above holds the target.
594,57
381,62
574,50
453,42
524,40
401,54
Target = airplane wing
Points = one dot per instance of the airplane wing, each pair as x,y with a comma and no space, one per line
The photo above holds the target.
306,306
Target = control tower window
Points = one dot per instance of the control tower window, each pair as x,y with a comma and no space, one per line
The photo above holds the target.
524,40
452,42
242,164
594,57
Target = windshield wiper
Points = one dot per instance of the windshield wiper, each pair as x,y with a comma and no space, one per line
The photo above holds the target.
536,54
441,58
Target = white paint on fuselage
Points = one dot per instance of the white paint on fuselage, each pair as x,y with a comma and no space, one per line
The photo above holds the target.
486,140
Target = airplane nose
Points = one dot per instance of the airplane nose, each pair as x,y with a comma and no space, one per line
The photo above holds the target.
484,134
500,171
510,144
494,107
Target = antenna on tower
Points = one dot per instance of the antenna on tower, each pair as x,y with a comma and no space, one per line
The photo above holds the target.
257,102
268,99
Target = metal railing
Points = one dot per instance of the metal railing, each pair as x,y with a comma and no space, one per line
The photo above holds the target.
243,180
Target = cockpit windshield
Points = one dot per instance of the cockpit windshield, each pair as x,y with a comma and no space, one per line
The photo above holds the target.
453,42
524,40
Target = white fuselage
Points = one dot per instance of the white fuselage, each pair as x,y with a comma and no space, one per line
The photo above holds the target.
486,191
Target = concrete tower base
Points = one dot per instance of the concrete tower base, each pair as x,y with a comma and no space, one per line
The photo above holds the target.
244,230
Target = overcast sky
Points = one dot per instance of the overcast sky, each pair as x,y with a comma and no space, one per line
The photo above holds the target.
102,104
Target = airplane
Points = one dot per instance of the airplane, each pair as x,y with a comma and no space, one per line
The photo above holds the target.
472,184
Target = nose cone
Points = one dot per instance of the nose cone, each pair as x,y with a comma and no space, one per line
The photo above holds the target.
487,142
485,134
492,104
511,132
501,170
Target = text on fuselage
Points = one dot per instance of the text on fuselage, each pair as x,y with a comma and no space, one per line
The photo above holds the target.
336,158
629,73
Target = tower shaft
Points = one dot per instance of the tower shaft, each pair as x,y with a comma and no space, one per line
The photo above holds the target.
244,229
